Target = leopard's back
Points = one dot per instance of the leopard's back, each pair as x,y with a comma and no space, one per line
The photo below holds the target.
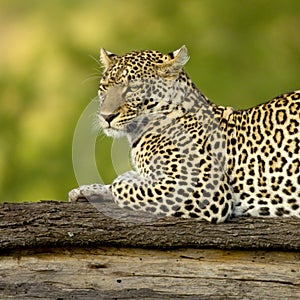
264,159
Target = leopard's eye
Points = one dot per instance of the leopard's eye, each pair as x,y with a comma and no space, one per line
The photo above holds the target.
134,87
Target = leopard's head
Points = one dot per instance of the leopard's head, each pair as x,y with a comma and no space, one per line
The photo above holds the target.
137,85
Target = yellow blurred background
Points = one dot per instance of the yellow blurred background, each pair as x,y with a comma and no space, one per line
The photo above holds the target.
242,53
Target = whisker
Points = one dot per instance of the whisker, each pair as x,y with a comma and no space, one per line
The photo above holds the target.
96,125
98,70
91,77
101,136
97,61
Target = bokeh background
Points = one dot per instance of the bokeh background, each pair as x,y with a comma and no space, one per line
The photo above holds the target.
242,53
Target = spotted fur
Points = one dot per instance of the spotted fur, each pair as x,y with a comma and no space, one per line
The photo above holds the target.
192,158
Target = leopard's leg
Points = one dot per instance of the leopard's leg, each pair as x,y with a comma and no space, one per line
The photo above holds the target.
130,190
169,197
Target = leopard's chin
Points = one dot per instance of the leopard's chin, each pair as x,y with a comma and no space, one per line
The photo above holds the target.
114,133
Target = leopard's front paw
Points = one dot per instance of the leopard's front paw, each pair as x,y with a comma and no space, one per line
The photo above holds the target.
90,193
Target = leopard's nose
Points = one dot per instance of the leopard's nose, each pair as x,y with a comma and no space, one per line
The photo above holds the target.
109,117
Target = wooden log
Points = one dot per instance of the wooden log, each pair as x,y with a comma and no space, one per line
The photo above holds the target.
56,224
59,250
134,273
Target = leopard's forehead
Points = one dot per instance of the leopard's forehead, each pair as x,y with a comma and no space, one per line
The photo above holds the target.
133,65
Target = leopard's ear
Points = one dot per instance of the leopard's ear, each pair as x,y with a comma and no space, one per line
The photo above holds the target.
173,66
106,57
180,57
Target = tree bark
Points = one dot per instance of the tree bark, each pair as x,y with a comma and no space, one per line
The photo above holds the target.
61,224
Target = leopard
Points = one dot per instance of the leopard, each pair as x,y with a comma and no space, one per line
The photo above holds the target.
191,157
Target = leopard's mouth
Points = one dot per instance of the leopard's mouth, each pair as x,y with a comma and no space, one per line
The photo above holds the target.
114,129
108,128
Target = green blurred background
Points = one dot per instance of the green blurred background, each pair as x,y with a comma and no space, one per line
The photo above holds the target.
242,53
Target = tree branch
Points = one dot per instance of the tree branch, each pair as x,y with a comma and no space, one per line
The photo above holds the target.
55,224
